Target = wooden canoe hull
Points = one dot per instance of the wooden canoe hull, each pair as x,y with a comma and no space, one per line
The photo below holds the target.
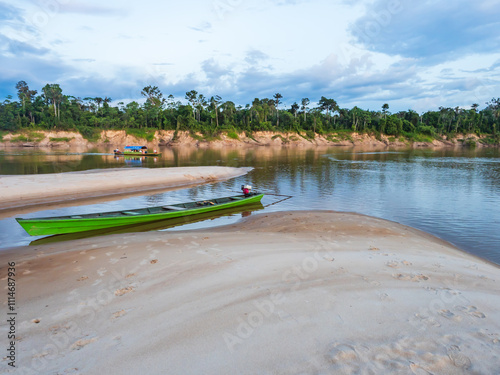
82,223
150,226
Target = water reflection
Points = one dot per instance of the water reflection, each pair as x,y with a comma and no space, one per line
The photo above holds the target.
452,193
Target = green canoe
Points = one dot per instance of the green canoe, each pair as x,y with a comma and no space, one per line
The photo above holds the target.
244,210
81,223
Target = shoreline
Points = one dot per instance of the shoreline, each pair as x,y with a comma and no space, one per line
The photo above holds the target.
308,291
20,191
170,138
419,232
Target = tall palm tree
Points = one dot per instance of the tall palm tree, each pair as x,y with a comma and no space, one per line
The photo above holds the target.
295,108
201,103
228,108
277,101
98,101
53,94
305,102
495,107
385,109
191,97
22,91
327,105
216,101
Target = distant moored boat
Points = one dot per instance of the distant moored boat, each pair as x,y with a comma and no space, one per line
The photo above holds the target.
136,151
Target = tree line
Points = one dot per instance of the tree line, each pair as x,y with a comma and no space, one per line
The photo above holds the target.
51,109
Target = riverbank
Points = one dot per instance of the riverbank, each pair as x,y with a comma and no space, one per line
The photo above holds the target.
120,138
301,292
27,190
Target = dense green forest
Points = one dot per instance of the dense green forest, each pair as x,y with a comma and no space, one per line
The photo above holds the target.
51,109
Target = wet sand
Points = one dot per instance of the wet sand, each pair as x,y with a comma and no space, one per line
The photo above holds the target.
302,292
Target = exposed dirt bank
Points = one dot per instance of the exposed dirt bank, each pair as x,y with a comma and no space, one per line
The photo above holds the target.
119,138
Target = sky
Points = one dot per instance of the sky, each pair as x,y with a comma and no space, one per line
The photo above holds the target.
410,54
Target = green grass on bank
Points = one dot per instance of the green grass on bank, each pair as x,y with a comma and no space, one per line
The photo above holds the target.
144,133
61,139
28,136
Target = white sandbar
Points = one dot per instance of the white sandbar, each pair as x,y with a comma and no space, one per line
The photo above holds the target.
282,293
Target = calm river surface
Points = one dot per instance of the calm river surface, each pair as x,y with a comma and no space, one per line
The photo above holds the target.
451,193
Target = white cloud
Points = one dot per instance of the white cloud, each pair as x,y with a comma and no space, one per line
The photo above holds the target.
362,53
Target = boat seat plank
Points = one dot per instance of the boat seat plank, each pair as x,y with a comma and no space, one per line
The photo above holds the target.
236,198
175,208
76,217
130,213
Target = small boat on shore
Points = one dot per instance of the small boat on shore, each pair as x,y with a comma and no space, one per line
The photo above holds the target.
244,211
85,222
136,151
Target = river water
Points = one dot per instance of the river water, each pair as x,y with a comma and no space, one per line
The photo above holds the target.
451,193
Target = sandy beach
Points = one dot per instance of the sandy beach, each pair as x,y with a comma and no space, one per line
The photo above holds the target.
301,292
26,190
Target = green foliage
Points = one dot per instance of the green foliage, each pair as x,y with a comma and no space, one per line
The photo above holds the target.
147,134
408,127
196,136
310,134
331,138
489,140
394,125
20,138
427,130
250,135
377,135
90,134
283,139
344,135
53,110
233,135
29,136
61,139
419,137
212,136
470,142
